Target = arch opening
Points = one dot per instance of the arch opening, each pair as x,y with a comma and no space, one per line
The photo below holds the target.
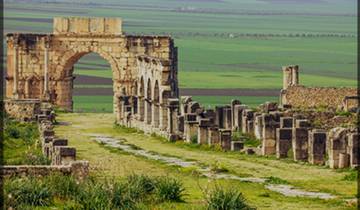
89,79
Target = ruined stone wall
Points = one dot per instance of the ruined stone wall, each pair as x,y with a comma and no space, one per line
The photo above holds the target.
22,109
77,169
300,96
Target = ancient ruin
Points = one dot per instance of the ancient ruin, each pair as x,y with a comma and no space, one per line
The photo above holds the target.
144,68
146,96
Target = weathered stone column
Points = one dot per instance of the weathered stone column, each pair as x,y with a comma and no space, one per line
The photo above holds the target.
190,127
225,139
300,137
148,111
155,121
213,136
173,109
46,72
233,115
247,115
269,135
353,149
227,118
27,88
317,146
283,142
337,138
15,76
258,127
163,117
141,108
238,109
204,124
219,116
295,75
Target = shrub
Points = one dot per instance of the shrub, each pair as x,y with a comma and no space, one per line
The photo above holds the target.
221,199
27,192
139,187
63,186
194,139
94,196
352,176
169,189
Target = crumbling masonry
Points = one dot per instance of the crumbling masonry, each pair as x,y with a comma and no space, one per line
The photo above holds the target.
146,96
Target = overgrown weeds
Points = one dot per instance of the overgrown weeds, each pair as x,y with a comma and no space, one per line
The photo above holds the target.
91,193
221,198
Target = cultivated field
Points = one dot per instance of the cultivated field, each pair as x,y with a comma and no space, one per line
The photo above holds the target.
222,43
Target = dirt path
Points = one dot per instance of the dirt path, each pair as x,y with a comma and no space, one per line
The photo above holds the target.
305,178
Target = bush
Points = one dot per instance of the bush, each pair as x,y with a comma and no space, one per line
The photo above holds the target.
27,192
94,196
221,199
352,176
169,189
121,198
63,186
194,139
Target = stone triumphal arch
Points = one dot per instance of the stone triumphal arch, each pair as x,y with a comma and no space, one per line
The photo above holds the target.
144,68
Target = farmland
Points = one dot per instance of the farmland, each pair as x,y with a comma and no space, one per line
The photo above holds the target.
222,44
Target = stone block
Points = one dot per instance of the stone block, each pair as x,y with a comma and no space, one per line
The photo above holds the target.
353,149
317,147
283,142
237,145
302,124
300,144
63,155
286,122
213,136
48,133
344,160
225,139
258,127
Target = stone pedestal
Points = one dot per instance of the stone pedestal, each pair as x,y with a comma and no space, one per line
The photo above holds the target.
247,115
204,124
213,136
225,139
300,137
237,124
269,135
317,147
63,155
258,127
283,142
286,122
344,160
237,145
353,149
337,138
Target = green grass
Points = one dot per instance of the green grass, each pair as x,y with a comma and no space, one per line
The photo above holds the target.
93,103
212,101
99,103
114,163
21,144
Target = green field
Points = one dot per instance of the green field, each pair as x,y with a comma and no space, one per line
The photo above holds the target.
225,43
